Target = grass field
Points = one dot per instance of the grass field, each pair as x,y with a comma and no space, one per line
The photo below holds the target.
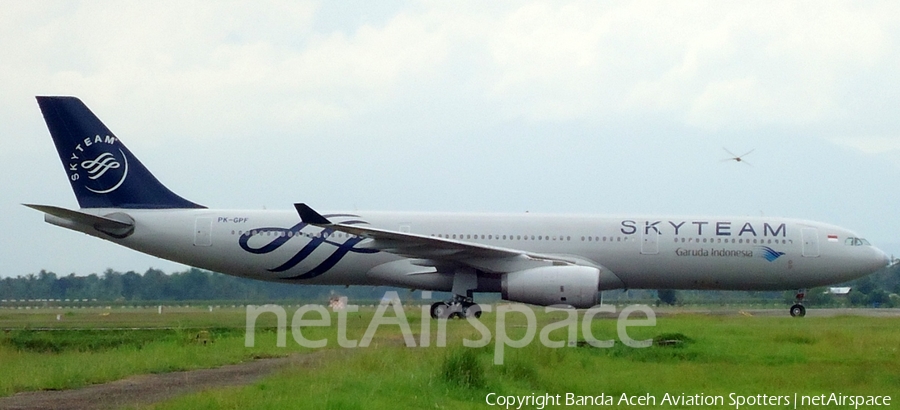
729,356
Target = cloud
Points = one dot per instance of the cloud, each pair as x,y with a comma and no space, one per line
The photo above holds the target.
763,64
870,145
710,65
484,97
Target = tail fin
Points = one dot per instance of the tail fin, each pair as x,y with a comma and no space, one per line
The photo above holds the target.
103,173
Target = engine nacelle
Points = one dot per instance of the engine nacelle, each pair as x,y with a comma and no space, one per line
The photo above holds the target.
553,285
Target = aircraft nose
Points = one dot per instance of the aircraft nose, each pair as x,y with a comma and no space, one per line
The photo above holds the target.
882,259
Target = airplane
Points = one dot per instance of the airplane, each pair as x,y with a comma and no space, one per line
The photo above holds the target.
539,259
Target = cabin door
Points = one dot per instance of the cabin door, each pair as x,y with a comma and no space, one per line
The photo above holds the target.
203,232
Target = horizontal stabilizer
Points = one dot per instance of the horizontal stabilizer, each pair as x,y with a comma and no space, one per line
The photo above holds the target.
113,227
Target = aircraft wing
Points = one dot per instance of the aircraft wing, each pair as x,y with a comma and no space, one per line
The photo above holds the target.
434,251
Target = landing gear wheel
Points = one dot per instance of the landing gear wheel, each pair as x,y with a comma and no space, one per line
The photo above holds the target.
798,310
457,307
439,310
472,310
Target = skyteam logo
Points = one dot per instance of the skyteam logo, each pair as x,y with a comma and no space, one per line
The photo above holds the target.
768,253
98,164
266,240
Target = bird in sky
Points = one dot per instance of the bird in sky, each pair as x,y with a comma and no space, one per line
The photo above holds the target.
737,158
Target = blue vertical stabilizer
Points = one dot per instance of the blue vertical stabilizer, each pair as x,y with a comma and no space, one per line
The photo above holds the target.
102,171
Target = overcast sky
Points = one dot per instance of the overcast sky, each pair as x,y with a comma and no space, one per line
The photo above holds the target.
602,108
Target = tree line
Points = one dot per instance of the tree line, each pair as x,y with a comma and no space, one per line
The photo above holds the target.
880,289
155,285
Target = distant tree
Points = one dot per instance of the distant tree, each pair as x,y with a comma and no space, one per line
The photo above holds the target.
820,297
197,284
856,298
865,284
154,285
131,285
45,284
667,296
878,298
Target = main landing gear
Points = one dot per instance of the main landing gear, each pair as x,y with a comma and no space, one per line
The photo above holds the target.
461,304
456,308
798,310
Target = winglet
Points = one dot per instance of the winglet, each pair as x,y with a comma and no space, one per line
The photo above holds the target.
310,216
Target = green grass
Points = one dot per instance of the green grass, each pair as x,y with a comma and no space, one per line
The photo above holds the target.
70,359
101,318
96,346
710,355
718,356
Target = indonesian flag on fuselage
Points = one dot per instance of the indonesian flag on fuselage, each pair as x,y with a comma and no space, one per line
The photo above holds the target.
832,238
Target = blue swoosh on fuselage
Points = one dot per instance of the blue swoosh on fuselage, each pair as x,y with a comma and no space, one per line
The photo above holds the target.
286,234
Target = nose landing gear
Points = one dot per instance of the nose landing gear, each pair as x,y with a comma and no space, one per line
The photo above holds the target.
798,310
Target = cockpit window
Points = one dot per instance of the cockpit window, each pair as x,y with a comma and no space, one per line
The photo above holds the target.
851,241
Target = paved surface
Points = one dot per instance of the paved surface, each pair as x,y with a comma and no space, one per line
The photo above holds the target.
810,312
150,388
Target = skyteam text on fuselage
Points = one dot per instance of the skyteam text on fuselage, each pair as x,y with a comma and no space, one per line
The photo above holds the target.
531,258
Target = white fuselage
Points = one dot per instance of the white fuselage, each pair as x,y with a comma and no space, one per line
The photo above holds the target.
657,252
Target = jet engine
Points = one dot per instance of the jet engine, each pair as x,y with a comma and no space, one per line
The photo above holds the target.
553,285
